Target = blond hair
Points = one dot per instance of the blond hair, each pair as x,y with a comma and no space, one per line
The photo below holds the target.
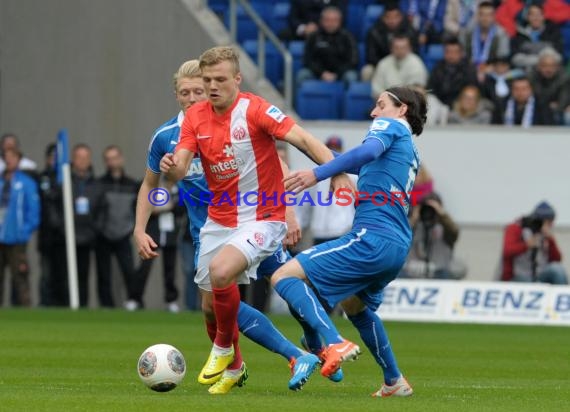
216,55
189,69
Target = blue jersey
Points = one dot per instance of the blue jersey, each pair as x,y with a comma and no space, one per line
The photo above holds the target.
391,178
192,185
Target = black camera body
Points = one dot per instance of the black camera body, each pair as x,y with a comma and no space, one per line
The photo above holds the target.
533,223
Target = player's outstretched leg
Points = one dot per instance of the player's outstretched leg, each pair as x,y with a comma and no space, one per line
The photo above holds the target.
259,328
303,301
374,336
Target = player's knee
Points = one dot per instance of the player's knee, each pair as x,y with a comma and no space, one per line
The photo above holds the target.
221,274
352,305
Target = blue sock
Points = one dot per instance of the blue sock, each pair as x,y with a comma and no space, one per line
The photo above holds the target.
303,301
257,327
374,336
312,337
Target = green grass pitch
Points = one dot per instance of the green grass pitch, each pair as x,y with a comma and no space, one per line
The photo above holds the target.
58,360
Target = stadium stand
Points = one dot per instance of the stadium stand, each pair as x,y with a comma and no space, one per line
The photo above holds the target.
320,100
358,101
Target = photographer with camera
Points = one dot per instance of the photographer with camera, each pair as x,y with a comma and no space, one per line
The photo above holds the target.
530,252
434,236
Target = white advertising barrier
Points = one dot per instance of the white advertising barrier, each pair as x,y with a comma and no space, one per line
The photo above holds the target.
476,302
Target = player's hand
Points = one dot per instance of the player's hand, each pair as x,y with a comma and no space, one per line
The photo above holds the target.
300,180
168,162
293,229
342,181
145,245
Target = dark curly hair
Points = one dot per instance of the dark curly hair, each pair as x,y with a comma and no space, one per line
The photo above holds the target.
416,115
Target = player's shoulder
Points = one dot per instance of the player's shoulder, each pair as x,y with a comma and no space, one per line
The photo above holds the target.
166,127
263,107
390,126
197,109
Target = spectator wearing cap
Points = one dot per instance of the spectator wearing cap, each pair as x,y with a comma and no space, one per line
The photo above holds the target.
324,217
530,251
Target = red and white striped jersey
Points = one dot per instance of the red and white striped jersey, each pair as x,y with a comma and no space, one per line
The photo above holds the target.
239,157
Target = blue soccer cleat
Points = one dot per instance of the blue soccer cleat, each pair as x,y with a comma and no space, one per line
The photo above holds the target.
335,377
301,369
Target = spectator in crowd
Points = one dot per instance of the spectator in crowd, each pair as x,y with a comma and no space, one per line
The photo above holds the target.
400,67
331,53
304,16
326,219
19,217
486,40
380,35
459,14
495,85
86,196
10,141
469,108
522,108
530,251
434,237
511,13
534,36
438,112
551,84
51,236
162,227
451,74
116,220
426,17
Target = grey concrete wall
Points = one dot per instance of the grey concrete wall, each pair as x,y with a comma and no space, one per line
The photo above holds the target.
102,69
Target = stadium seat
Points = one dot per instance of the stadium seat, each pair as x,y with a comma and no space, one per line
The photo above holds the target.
355,14
246,28
218,6
358,101
370,16
431,55
319,100
297,49
273,60
279,16
361,55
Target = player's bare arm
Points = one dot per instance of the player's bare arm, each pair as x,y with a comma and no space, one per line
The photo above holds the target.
145,244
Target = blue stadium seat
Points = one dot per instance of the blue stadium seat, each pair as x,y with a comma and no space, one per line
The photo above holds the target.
218,6
273,60
361,55
319,100
431,55
279,16
358,101
297,49
355,14
246,29
370,16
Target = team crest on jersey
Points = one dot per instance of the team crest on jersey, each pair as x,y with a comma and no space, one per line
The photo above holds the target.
238,133
276,114
258,238
380,124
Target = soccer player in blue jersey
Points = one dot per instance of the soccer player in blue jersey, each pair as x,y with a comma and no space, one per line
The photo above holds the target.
189,89
354,269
